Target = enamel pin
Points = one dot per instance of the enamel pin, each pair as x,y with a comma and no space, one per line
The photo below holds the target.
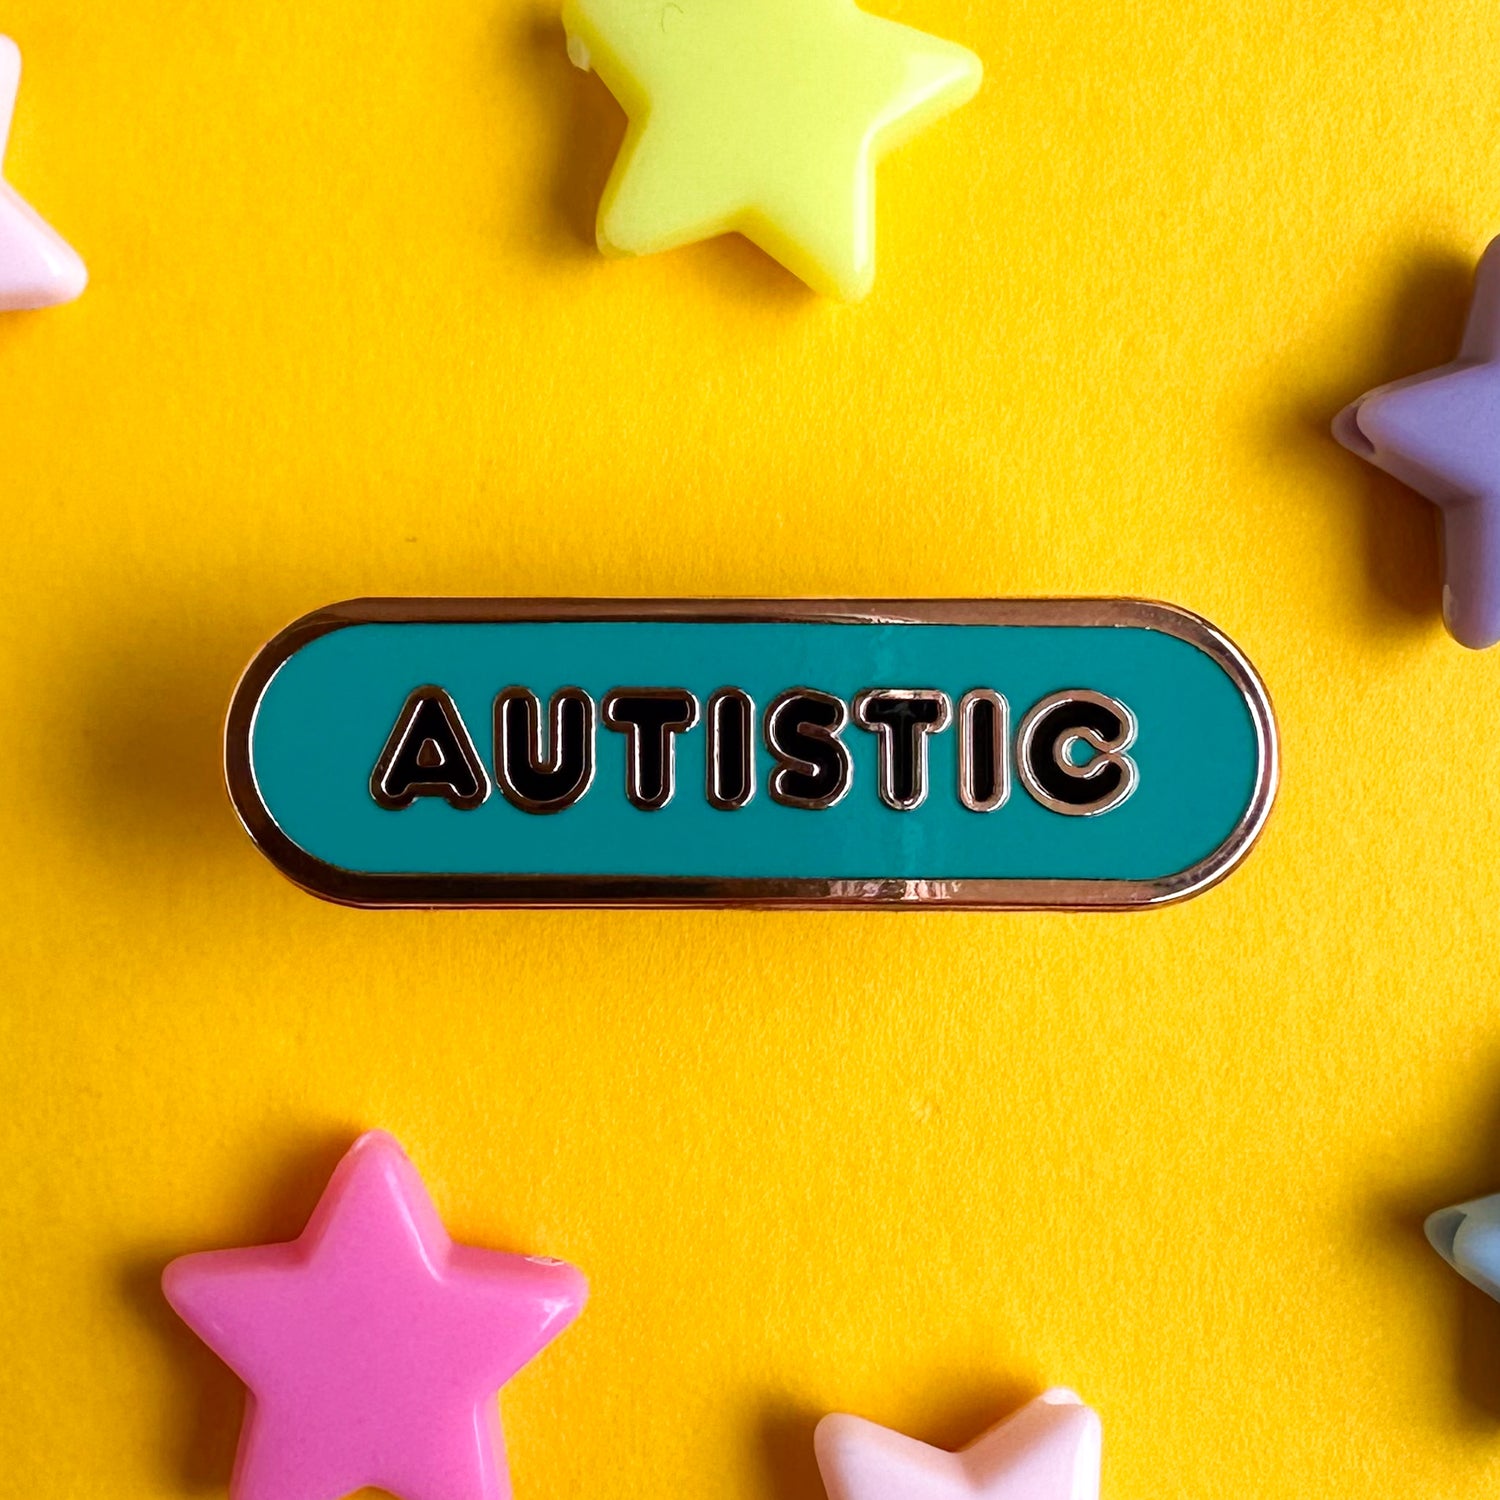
1105,753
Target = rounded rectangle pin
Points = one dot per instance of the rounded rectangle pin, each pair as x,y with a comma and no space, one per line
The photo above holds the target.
964,753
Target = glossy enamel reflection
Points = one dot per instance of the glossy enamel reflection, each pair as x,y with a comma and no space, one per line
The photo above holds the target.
1186,752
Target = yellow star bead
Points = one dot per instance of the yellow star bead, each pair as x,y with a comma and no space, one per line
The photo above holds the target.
762,116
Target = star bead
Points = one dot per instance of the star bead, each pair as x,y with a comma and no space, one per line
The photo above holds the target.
372,1345
1439,432
1049,1450
1467,1236
37,268
761,116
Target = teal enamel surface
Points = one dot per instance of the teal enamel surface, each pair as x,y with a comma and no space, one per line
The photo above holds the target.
327,711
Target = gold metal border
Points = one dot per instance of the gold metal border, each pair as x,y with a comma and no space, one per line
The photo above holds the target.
353,888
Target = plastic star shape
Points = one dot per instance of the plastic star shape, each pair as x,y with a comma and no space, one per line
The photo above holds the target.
37,268
372,1345
1049,1450
762,116
1467,1236
1439,432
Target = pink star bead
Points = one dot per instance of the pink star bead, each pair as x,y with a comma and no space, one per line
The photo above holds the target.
37,268
1049,1450
372,1345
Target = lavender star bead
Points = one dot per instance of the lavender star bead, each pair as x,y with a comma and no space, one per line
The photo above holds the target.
1439,432
1468,1238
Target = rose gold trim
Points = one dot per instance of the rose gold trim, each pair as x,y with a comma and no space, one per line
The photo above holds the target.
352,888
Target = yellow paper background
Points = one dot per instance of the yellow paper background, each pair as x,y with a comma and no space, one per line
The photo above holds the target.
346,334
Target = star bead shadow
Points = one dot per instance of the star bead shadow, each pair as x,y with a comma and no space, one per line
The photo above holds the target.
786,1446
20,325
206,1406
1474,1316
588,129
1418,316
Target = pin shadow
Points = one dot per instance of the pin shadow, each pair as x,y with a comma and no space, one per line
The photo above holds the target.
201,1430
151,686
1419,314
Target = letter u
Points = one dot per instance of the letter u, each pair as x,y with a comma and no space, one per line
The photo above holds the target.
540,779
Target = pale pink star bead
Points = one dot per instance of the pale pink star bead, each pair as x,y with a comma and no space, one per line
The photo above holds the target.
37,267
1049,1450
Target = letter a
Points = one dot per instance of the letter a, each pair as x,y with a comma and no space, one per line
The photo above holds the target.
429,754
